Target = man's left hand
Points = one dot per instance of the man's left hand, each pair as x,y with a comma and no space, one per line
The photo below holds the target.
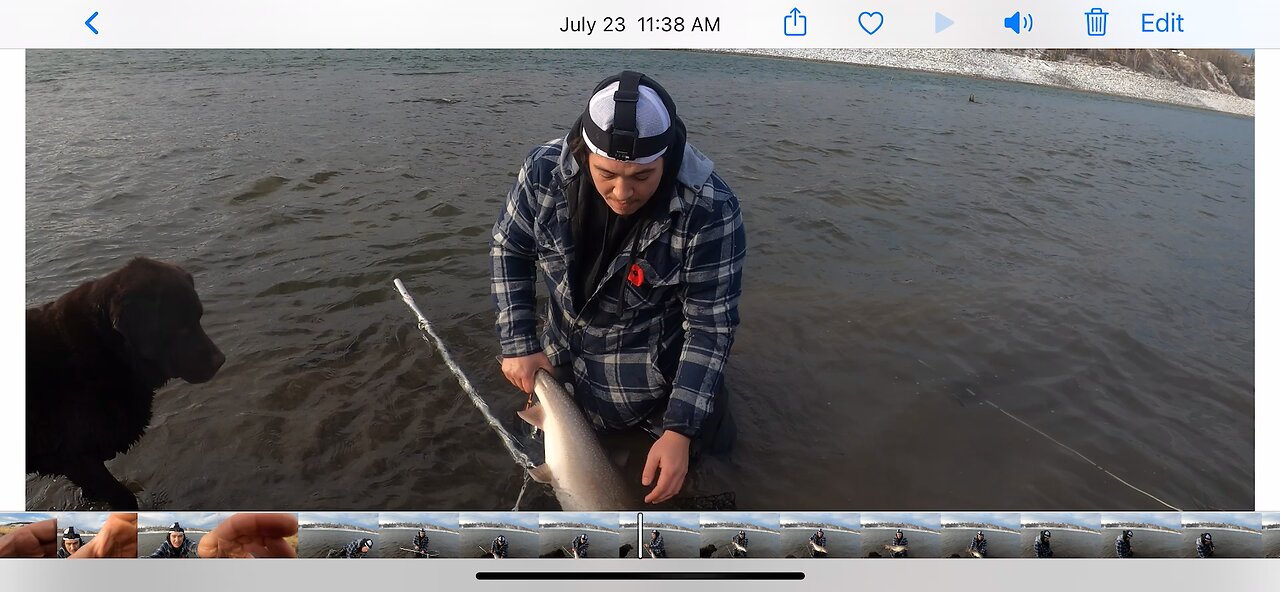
669,458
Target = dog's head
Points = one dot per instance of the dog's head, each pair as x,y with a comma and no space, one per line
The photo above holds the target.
154,307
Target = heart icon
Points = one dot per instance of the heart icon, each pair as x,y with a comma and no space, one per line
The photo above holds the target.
871,21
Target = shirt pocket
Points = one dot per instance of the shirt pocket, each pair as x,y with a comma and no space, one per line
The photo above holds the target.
649,285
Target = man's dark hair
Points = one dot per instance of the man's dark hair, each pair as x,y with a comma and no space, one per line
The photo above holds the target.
579,149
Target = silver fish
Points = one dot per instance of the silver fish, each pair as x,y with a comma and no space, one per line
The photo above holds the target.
576,467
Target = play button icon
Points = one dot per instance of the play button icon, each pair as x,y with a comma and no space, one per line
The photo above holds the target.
941,22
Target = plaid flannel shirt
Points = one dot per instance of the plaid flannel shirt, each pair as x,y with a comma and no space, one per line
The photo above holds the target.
667,339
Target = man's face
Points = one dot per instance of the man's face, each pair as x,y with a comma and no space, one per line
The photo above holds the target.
625,186
176,538
71,545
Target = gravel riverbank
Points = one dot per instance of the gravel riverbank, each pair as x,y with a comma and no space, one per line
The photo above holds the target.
993,65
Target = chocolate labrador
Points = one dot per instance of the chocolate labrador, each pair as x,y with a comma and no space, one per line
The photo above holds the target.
95,358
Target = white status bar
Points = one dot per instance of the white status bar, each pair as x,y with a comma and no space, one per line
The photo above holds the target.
649,24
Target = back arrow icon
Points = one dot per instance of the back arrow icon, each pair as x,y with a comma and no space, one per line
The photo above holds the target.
89,23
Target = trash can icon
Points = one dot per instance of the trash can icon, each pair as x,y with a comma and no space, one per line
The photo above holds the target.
1097,22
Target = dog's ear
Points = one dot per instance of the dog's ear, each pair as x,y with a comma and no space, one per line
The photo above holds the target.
136,318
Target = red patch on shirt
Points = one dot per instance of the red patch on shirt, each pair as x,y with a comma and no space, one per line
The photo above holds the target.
635,275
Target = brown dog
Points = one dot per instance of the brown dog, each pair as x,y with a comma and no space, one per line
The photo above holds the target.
95,358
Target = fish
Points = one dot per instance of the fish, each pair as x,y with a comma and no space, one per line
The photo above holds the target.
652,555
975,553
739,547
818,548
423,553
895,548
576,466
488,553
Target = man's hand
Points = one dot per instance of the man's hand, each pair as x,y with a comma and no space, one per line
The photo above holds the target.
118,538
669,457
520,371
251,535
33,540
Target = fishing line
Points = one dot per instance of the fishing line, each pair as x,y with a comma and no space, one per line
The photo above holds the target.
424,325
1077,453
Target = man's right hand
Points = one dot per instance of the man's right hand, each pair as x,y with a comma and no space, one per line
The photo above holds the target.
520,371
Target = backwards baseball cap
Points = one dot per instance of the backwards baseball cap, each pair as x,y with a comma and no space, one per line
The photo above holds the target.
629,118
176,528
70,534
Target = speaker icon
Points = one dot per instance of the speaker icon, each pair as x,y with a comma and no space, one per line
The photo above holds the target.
1018,22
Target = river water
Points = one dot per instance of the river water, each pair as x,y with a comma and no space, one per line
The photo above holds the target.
921,271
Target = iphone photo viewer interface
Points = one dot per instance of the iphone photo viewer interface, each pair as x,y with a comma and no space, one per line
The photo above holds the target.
640,281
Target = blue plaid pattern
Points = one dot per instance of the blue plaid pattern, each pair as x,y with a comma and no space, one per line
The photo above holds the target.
1123,548
978,545
632,348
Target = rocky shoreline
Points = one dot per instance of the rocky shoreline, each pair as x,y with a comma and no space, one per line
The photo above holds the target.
993,65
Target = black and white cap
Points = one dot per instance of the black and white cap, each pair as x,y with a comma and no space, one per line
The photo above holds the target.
629,118
70,534
177,528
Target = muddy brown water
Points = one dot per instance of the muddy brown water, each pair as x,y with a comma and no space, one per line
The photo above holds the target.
1083,262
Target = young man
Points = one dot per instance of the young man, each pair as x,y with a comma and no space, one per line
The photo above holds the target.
498,548
641,246
818,539
420,542
1124,549
176,546
979,544
1042,548
70,543
740,544
657,546
899,540
357,549
1204,546
579,546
